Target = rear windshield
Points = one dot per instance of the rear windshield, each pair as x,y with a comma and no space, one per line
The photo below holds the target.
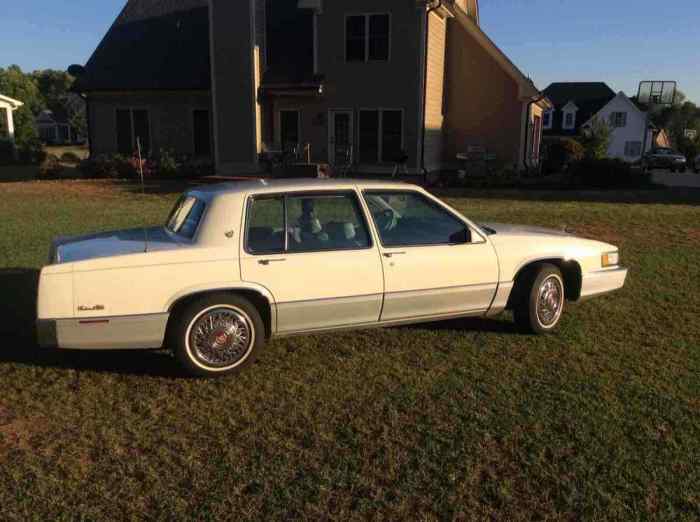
185,216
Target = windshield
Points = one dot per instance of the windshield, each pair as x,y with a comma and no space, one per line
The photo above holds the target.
185,216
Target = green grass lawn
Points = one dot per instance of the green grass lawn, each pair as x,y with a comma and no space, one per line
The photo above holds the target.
465,419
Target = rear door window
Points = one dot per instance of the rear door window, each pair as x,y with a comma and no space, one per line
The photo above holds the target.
185,217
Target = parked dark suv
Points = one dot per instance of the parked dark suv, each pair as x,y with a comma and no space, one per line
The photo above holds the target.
664,158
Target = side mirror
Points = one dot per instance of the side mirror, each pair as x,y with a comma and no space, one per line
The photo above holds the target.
462,237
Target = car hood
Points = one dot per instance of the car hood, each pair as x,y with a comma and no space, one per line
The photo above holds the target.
108,244
520,230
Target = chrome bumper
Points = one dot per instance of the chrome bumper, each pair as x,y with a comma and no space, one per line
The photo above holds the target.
602,282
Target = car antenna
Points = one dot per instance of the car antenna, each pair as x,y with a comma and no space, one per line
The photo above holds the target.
143,189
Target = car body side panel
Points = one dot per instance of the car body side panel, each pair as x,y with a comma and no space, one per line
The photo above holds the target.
133,289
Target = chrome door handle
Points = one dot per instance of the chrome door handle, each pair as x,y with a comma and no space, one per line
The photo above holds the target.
266,262
392,254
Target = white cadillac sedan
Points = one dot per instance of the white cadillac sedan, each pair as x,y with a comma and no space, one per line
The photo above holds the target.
238,264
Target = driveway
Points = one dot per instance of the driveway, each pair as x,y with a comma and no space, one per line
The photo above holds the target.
670,179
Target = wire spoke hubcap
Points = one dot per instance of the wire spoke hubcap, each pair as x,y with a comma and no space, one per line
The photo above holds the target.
221,337
550,301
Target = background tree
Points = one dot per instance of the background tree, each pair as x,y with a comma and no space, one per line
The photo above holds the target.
55,87
15,84
596,139
683,116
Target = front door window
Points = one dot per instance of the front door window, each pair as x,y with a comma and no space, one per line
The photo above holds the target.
410,219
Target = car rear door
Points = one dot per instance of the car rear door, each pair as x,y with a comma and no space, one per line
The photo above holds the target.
314,252
434,263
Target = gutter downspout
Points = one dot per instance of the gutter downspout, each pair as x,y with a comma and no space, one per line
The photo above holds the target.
527,126
424,171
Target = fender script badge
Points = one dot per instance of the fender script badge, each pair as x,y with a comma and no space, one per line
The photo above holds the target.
96,308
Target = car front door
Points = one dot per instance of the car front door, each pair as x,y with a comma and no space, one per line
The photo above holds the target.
315,254
434,263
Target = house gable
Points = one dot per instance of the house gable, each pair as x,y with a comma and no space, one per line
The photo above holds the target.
632,136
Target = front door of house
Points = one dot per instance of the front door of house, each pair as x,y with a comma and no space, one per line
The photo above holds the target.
340,137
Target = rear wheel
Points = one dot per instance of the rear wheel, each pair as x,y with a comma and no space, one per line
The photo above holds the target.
217,335
540,299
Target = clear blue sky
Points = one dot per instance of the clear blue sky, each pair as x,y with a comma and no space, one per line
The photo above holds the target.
617,41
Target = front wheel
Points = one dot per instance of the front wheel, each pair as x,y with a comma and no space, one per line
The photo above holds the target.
540,300
217,335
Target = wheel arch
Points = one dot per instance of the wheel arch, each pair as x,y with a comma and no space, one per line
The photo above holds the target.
570,269
260,298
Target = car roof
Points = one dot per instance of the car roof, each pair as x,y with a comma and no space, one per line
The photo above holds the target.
262,186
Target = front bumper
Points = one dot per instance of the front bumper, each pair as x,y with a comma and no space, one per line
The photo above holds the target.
602,282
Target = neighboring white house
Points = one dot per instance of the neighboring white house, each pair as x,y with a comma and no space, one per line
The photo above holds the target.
7,125
631,134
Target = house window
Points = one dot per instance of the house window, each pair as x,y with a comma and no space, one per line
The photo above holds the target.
569,120
290,133
133,125
633,148
618,119
202,133
547,119
381,136
367,38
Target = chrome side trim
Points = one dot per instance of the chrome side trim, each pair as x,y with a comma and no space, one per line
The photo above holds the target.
327,313
386,324
602,282
104,333
438,301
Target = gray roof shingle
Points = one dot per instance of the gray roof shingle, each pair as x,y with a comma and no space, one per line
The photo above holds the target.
589,97
153,45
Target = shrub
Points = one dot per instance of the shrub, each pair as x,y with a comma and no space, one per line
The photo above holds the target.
70,157
31,151
7,152
561,153
109,166
168,166
596,139
608,173
50,167
196,168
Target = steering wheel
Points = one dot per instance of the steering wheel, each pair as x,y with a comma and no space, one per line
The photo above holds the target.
386,220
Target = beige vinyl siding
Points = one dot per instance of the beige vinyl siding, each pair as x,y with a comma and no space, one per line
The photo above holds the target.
483,107
357,86
434,114
170,118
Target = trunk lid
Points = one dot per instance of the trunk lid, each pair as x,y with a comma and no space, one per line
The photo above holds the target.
109,244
